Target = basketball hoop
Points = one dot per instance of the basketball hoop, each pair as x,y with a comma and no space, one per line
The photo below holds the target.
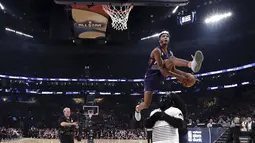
119,15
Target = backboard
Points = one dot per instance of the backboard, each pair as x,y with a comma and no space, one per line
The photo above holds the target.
94,110
134,2
91,16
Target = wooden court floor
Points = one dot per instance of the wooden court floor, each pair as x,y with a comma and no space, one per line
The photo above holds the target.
29,140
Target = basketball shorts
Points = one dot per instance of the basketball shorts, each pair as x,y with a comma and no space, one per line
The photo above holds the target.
152,80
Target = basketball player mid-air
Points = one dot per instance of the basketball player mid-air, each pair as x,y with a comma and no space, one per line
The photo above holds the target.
159,69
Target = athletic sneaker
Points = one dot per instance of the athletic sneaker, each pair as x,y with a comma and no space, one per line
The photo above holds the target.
197,61
138,115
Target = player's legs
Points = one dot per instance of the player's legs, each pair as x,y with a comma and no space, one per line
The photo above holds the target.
146,103
195,64
143,105
179,72
151,83
180,62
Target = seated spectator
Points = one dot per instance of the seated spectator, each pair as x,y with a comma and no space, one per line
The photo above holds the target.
210,123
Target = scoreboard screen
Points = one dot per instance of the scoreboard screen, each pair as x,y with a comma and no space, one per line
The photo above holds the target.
187,18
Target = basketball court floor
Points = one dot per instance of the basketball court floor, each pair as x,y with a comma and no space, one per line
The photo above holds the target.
30,140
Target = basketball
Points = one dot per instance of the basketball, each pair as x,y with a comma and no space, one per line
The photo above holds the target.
189,81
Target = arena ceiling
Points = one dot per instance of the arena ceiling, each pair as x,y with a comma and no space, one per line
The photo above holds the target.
54,20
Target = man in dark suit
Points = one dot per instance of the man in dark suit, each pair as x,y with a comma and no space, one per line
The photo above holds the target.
66,127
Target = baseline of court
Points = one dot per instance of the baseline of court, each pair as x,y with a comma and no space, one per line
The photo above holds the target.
31,140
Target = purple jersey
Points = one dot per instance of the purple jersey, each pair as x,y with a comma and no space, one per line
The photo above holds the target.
153,75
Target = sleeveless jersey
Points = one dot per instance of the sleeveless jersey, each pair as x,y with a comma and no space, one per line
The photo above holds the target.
153,62
153,69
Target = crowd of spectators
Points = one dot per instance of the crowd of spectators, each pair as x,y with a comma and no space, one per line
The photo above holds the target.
223,115
116,113
113,124
131,134
7,134
111,131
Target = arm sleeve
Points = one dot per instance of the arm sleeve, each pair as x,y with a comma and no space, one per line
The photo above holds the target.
150,122
176,120
60,120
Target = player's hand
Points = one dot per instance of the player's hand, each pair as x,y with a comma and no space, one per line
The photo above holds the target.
75,124
183,80
188,80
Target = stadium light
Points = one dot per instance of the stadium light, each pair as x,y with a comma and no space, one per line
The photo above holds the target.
1,6
175,9
19,33
152,36
217,17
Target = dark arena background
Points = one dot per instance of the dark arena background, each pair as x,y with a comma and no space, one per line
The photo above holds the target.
65,53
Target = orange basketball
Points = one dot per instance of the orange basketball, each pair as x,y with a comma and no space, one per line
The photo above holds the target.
189,81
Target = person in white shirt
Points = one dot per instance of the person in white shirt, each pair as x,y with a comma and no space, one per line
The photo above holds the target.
210,123
165,122
249,124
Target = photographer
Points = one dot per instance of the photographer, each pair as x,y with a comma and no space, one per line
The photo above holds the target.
67,126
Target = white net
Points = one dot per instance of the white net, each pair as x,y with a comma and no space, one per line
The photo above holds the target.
90,113
118,15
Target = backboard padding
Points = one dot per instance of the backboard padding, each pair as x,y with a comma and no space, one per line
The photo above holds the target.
134,2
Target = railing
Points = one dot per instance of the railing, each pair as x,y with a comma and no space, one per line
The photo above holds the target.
124,80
